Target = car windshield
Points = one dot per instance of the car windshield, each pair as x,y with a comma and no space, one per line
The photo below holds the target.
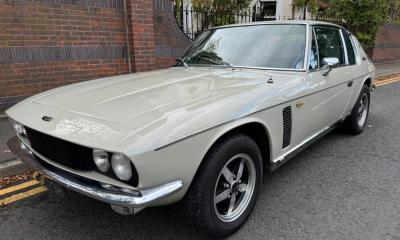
280,46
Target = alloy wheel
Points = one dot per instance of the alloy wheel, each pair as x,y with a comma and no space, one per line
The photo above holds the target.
234,187
363,110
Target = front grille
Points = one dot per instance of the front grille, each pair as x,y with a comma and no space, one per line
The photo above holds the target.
60,151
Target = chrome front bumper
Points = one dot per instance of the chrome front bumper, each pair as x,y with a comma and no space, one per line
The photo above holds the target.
141,199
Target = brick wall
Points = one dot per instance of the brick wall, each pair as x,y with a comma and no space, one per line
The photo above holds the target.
48,43
387,44
169,39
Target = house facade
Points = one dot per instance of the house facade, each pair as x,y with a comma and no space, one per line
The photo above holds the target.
278,9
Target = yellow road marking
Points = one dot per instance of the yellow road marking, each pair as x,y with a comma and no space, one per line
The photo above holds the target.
387,81
20,196
18,187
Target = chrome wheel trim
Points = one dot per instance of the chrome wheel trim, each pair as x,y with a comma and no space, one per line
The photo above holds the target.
363,110
234,187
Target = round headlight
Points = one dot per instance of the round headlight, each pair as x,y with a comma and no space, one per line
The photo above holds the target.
100,158
121,166
19,128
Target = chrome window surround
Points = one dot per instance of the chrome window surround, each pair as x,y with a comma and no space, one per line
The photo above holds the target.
343,47
306,50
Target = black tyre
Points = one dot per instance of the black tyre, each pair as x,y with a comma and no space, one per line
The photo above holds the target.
225,189
357,120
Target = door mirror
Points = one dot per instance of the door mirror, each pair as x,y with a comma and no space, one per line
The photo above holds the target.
328,64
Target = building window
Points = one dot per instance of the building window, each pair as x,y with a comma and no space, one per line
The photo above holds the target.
266,11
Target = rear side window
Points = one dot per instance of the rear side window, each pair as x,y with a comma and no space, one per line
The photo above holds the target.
329,43
350,48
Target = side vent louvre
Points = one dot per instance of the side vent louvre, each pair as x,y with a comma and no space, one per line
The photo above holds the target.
287,126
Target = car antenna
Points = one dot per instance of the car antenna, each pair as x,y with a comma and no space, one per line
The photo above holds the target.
270,80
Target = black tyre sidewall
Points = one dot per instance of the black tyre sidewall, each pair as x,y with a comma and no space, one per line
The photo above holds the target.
215,161
351,123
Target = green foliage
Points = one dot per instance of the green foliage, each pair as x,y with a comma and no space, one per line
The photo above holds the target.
362,17
224,5
394,11
219,12
312,4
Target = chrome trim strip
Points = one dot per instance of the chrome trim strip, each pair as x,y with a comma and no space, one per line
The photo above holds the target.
344,47
143,199
303,145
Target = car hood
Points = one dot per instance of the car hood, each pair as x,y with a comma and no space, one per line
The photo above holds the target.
129,97
149,109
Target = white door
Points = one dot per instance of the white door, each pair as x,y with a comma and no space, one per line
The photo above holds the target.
326,95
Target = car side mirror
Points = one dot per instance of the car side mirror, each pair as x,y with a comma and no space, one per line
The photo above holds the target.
328,64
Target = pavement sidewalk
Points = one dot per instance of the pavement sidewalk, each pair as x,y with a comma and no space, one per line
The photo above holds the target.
6,132
383,69
9,163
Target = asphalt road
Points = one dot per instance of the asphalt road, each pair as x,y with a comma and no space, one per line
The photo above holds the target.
342,187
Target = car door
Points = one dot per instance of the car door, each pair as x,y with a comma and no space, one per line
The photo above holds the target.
358,64
326,94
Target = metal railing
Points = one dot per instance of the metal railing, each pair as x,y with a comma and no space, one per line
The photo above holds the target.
194,20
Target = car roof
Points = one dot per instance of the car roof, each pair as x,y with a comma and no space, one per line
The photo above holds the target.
279,22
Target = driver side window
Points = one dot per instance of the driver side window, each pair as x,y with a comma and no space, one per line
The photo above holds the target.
329,44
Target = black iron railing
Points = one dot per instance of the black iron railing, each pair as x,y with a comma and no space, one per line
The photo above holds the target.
194,20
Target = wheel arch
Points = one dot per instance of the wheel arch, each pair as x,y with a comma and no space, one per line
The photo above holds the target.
368,82
255,129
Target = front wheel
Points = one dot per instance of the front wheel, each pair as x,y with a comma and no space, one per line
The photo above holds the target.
357,120
225,190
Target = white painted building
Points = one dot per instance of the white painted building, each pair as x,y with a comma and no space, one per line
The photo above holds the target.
278,9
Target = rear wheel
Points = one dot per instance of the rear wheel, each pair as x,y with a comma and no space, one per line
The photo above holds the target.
357,120
225,190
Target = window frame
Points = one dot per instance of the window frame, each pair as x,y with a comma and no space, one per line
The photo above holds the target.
312,31
313,35
352,45
306,48
357,51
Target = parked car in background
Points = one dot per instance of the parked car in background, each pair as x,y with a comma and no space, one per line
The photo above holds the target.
243,98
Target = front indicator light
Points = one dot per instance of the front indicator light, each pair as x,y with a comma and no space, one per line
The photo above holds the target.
23,147
121,166
100,158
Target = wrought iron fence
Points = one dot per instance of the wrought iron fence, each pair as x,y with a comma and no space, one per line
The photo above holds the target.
194,20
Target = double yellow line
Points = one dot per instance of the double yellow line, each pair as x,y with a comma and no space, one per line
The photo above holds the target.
22,195
387,81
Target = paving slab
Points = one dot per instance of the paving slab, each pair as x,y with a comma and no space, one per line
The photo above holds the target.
387,68
6,132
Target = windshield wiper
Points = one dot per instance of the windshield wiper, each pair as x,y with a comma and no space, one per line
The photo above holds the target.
218,62
183,62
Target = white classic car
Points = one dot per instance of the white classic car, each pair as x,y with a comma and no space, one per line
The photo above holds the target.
242,99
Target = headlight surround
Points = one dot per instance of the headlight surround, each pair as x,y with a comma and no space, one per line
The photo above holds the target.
121,166
18,127
100,158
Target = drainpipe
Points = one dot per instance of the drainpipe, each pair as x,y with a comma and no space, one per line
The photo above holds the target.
127,37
